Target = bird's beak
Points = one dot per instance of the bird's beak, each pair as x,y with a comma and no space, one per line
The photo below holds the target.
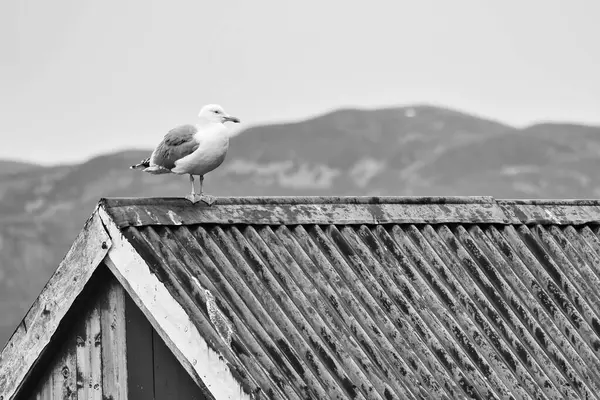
231,118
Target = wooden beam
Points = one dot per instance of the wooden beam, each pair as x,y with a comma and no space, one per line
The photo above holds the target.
206,367
350,210
185,213
114,345
89,354
64,371
33,335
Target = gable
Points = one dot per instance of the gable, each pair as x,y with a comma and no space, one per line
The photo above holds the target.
105,348
87,355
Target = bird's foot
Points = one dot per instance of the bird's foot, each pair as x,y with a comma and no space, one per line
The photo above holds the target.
194,198
208,199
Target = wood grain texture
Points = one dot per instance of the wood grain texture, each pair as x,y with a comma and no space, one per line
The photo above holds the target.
276,213
82,357
85,360
350,210
114,347
55,374
94,347
31,338
61,371
314,200
65,375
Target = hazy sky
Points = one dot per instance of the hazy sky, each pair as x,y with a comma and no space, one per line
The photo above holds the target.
82,77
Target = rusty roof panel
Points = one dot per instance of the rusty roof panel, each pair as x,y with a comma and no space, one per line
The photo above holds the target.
389,310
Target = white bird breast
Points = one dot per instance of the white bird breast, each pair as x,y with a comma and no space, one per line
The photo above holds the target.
214,143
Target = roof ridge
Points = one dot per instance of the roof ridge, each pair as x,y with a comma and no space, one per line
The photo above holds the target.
338,210
293,200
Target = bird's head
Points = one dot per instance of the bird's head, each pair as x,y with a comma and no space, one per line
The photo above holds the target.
215,113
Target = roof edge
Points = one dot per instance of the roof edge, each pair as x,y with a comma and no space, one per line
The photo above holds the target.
303,210
550,202
296,200
346,210
292,200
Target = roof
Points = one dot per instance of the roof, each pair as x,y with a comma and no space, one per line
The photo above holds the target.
370,298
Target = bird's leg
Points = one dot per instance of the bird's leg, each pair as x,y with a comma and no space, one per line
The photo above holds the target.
193,197
209,200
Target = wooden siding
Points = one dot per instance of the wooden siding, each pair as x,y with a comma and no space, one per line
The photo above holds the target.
28,345
107,350
154,372
87,356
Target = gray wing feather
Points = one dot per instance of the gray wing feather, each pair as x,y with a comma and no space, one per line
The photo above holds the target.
177,143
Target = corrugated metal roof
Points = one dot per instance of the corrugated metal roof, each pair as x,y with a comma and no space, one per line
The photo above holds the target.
500,299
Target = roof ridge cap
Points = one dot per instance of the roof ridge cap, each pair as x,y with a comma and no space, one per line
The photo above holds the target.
296,200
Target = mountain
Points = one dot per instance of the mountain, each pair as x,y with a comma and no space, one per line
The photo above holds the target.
417,150
8,167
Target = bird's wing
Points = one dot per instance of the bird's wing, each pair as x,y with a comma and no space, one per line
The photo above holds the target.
177,143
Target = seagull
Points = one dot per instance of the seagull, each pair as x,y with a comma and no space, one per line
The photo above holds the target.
192,149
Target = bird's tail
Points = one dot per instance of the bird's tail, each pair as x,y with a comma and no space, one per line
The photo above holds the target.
143,164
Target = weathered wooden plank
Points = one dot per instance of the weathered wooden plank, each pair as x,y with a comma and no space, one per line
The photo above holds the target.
81,333
94,345
114,348
351,210
320,211
30,340
82,356
166,372
551,212
56,375
140,370
63,370
295,200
